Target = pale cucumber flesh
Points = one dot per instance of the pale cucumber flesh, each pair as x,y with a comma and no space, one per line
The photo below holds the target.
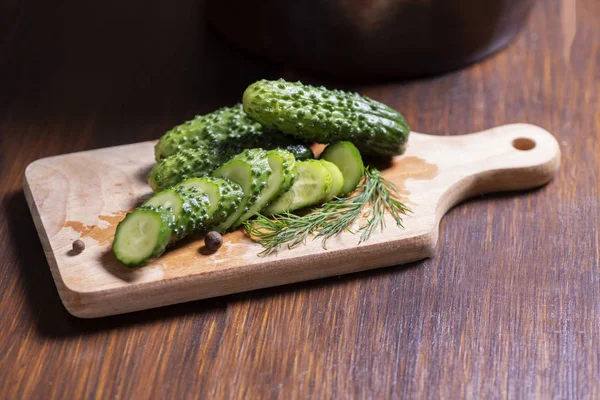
347,158
311,187
142,235
337,179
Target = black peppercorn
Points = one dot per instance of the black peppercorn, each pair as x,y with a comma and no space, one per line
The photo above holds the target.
213,240
78,246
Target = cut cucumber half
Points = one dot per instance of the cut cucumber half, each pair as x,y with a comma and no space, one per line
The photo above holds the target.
337,179
223,195
312,185
347,158
283,174
142,235
250,169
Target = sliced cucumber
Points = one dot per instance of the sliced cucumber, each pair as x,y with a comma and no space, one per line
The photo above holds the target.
337,179
283,174
194,215
208,186
347,158
167,199
223,195
142,235
312,185
250,169
189,206
282,163
173,201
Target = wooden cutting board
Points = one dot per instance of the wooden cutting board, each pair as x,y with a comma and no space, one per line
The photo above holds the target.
84,196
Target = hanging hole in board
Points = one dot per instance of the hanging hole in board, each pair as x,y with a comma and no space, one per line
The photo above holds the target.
523,144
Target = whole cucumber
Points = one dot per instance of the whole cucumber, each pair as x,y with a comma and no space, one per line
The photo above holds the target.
188,163
321,115
226,129
196,132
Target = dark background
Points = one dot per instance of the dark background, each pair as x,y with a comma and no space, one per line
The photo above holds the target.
508,307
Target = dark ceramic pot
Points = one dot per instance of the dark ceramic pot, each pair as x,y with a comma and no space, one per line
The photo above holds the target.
371,38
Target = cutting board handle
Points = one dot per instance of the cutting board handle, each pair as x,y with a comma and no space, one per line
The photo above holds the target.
505,158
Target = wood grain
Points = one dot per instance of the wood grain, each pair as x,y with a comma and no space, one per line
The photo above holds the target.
85,195
508,307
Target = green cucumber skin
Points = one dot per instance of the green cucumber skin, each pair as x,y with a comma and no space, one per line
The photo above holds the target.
231,198
227,130
199,162
165,233
260,171
188,163
324,116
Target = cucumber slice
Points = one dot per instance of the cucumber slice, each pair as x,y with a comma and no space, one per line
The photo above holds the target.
142,235
189,206
250,169
312,185
167,199
223,195
347,158
283,174
337,179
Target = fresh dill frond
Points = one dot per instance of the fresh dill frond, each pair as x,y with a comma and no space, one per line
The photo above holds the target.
372,199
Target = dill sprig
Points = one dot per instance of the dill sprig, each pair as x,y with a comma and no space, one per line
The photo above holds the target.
373,197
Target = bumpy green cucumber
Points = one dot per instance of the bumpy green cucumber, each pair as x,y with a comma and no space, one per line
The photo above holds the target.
196,132
199,162
249,169
347,157
185,164
283,174
311,187
322,115
143,235
223,195
226,130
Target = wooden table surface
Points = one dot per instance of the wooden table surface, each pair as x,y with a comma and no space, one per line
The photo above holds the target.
509,306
